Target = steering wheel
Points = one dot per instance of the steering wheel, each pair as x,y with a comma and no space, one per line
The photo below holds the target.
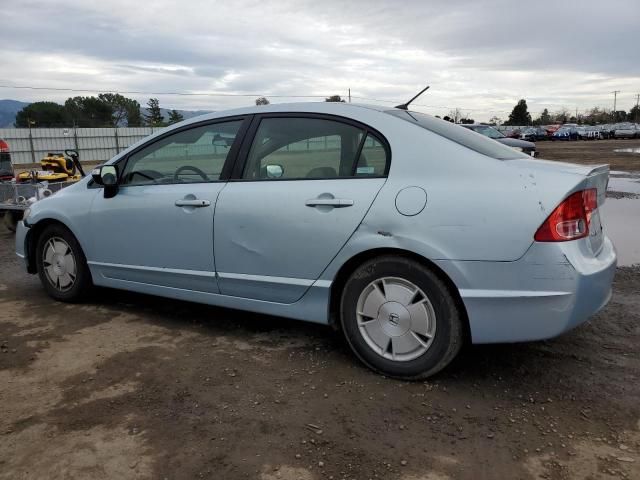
186,168
147,174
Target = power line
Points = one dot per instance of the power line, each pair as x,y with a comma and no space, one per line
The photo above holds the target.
253,95
137,92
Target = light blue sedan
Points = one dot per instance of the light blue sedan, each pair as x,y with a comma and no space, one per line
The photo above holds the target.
408,233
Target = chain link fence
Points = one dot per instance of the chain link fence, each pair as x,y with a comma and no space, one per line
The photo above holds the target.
29,145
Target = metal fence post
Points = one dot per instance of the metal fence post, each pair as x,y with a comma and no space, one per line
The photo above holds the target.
75,137
115,134
33,153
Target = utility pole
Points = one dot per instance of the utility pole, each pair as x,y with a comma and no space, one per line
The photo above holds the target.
637,107
349,95
615,97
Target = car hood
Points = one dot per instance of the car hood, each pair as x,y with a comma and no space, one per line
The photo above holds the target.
514,142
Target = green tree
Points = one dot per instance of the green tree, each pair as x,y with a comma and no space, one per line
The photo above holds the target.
42,114
134,117
89,112
467,121
544,118
122,108
153,117
262,101
175,117
619,116
634,114
520,114
561,116
334,98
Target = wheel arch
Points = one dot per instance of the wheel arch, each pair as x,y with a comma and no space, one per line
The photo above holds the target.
31,240
354,262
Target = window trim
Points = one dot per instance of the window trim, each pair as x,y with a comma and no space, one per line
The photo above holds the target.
243,154
226,168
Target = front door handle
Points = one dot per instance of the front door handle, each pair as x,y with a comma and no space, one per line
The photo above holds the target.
329,202
192,203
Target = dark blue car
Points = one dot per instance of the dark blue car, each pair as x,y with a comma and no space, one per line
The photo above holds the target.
565,133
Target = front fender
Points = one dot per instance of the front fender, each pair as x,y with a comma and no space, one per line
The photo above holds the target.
70,207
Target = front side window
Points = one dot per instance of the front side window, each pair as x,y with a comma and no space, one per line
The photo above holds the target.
190,156
312,148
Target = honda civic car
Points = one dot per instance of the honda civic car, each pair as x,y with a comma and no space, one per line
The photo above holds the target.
411,235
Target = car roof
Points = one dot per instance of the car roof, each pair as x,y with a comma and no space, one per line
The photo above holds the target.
340,108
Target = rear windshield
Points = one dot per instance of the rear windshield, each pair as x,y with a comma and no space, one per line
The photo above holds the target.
465,137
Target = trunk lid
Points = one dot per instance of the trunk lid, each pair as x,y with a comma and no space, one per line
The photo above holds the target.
555,181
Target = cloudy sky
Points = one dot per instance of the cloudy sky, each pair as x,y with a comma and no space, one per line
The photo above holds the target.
478,56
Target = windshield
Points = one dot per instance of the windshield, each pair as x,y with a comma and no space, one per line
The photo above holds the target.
460,135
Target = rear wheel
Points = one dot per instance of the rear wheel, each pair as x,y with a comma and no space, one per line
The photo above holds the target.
400,319
61,264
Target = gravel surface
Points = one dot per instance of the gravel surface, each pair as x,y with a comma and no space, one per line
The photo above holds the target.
132,386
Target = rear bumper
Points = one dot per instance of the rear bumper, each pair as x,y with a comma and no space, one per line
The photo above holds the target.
549,291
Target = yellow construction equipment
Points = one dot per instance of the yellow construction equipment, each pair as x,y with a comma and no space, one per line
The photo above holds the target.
56,167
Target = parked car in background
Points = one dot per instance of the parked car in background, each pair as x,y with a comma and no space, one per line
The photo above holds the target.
513,133
565,133
523,146
589,133
626,130
388,224
605,131
533,134
6,167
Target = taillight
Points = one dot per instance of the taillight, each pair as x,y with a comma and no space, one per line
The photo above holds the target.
570,220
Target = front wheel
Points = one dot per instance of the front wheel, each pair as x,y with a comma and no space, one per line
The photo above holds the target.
400,319
62,266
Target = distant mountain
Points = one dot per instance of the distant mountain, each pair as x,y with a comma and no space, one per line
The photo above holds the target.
8,110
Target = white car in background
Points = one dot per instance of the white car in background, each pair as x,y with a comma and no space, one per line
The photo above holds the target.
627,130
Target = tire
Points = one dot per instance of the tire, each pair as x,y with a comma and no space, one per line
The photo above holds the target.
428,335
62,266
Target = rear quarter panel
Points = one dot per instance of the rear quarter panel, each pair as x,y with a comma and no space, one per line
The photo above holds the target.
478,208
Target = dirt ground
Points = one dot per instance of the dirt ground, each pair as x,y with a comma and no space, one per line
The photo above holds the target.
593,152
131,386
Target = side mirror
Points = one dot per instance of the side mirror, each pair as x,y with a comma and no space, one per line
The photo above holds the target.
274,171
107,177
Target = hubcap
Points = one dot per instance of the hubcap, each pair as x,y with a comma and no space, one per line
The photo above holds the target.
59,264
396,319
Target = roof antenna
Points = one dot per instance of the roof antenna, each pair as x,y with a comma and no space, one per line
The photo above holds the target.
405,106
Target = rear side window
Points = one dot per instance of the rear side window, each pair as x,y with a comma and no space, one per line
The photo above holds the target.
373,158
472,140
313,148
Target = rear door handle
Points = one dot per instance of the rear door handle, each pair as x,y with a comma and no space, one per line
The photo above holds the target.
329,202
193,203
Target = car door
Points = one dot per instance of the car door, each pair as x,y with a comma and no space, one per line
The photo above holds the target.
158,228
301,187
